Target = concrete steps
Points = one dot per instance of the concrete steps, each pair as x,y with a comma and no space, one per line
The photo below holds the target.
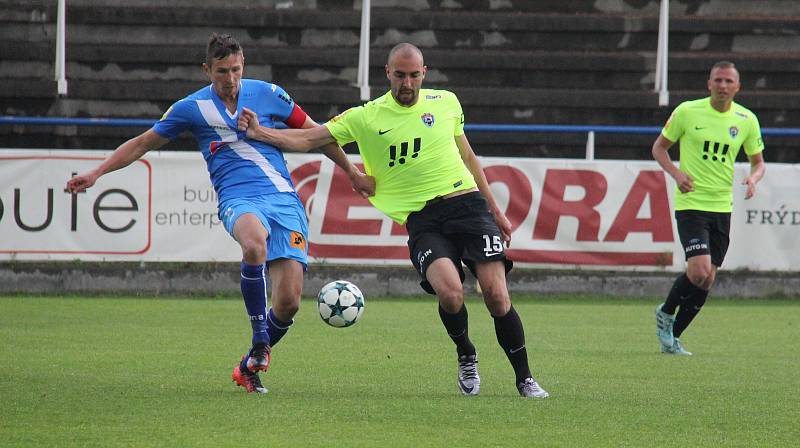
544,62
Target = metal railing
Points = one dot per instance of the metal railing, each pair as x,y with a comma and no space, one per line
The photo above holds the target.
662,54
362,80
590,129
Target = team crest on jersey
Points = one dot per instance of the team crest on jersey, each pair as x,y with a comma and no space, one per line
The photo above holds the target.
734,131
428,119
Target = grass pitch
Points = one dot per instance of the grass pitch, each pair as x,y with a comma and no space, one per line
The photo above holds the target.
139,372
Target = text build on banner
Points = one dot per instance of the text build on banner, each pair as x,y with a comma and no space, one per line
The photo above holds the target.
565,213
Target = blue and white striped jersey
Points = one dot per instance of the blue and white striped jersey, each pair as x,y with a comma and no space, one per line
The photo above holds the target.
239,167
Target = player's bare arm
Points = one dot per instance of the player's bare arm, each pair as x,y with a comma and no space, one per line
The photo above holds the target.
661,154
362,184
757,170
310,136
474,167
294,140
127,153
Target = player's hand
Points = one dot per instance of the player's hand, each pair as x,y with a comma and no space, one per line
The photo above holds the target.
80,182
684,181
248,121
505,227
751,187
363,184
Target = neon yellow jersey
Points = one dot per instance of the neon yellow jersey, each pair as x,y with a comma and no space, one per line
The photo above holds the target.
411,151
709,143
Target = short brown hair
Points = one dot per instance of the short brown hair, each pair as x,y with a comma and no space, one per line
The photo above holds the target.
221,46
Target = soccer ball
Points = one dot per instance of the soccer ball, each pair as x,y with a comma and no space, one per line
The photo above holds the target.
341,303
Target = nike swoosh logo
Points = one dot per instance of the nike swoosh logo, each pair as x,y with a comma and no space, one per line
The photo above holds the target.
512,351
465,388
489,254
381,131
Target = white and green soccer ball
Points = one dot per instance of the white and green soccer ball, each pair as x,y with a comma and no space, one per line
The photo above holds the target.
341,303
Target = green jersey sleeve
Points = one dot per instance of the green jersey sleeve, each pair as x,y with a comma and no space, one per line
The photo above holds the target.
676,124
343,126
754,143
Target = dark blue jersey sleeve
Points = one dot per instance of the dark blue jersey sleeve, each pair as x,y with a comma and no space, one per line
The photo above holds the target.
278,102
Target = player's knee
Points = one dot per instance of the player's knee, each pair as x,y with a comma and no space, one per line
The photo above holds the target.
496,299
701,276
253,251
702,279
451,298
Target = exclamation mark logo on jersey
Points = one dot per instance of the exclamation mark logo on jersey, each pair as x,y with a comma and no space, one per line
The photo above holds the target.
724,153
404,152
714,152
392,155
417,142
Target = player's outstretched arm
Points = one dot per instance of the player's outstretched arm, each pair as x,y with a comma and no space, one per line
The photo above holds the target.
661,155
757,170
296,140
124,155
474,167
362,184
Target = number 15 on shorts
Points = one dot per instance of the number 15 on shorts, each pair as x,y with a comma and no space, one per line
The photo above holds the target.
493,245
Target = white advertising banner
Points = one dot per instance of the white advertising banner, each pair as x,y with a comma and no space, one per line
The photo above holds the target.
565,213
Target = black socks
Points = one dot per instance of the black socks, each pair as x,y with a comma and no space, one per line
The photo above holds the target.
688,299
511,337
457,328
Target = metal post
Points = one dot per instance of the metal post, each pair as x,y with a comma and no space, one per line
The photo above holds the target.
590,146
60,63
363,52
662,54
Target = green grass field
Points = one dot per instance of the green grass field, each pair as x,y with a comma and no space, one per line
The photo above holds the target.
139,372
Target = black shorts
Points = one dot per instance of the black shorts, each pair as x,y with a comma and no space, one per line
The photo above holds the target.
460,228
704,233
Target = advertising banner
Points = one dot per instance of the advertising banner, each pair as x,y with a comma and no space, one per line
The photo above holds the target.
564,212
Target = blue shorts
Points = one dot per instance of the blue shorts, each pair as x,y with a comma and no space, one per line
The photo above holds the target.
281,214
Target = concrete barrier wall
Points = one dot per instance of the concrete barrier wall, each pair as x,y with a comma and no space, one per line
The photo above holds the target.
198,279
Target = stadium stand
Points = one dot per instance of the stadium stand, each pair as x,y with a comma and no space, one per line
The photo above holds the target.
510,61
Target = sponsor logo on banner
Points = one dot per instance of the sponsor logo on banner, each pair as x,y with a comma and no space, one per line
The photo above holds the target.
550,225
40,216
567,213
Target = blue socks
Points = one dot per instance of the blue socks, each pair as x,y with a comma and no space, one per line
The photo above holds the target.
276,328
267,328
254,292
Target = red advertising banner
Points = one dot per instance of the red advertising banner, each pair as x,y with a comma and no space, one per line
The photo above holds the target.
564,213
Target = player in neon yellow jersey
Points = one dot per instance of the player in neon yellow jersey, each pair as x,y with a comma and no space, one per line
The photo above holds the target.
427,177
711,131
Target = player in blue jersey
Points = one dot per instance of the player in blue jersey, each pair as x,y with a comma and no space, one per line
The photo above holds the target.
258,204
